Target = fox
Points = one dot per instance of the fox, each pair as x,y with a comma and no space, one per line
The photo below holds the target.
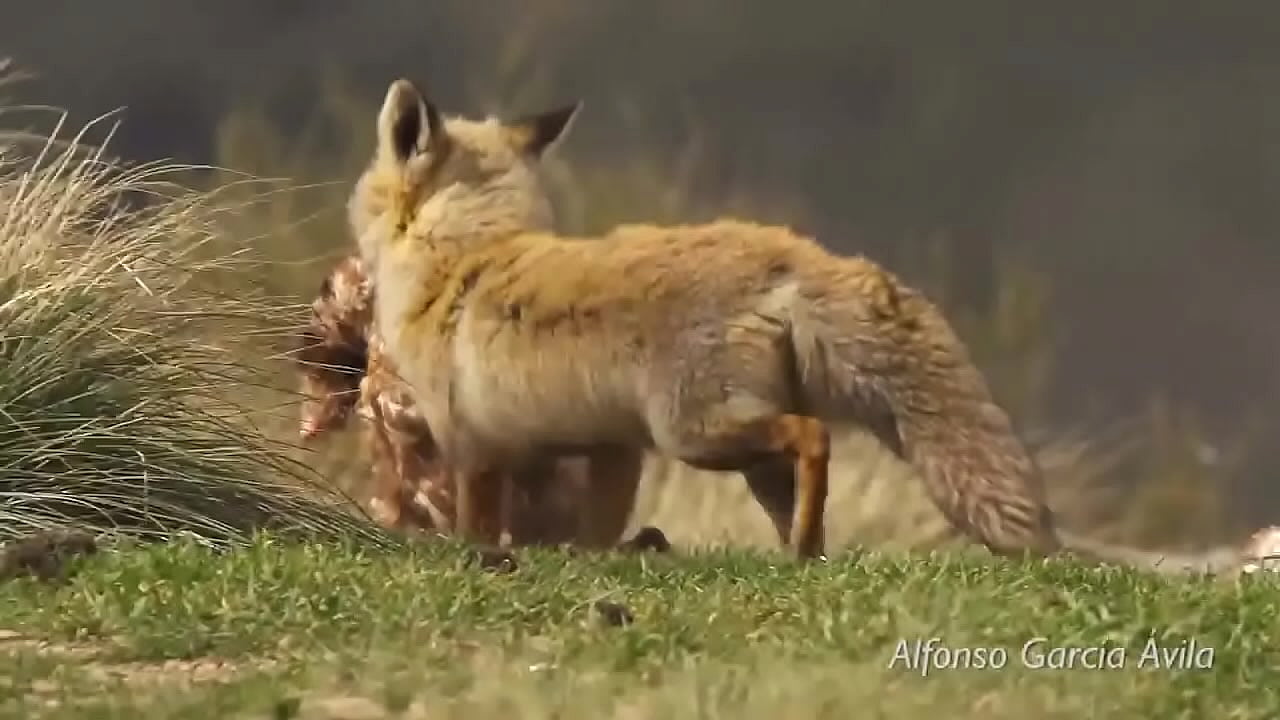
729,346
344,371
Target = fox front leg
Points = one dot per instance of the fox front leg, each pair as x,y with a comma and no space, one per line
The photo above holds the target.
483,505
609,494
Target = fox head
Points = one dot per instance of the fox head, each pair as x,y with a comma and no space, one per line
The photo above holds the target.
450,177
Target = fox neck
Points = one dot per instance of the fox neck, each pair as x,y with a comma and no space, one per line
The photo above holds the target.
473,217
410,274
414,267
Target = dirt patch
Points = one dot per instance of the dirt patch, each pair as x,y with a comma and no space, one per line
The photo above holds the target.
13,641
92,658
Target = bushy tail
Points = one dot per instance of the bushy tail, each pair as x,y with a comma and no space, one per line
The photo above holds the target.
871,350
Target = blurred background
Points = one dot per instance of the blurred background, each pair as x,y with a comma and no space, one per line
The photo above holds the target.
1090,189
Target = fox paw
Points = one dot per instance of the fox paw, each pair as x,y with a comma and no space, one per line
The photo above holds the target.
495,560
611,614
647,538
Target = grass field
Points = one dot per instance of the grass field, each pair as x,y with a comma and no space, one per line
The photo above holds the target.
419,631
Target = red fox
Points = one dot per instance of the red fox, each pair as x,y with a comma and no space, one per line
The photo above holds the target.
728,346
345,366
342,368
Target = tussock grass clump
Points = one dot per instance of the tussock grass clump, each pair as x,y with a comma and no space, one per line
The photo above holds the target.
118,359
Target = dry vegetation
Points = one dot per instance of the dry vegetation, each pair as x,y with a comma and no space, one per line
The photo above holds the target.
123,358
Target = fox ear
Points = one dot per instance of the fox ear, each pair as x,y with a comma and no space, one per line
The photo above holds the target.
534,134
408,123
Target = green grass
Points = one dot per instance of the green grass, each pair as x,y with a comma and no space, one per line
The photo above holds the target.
305,629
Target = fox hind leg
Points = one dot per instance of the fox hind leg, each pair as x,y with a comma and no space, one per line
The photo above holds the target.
772,484
806,440
742,446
